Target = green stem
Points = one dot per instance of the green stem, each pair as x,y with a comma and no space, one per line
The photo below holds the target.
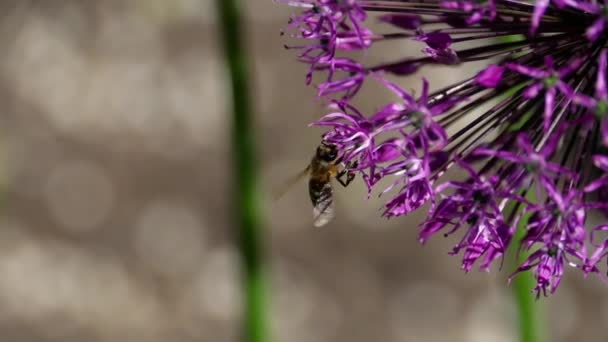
531,316
246,198
530,312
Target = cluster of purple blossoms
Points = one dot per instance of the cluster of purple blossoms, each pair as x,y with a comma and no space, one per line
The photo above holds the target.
519,129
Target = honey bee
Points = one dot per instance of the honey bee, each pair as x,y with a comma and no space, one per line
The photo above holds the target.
324,166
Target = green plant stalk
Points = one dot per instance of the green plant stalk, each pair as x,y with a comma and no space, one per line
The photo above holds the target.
531,315
248,225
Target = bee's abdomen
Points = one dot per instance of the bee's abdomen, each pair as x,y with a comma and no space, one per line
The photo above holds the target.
319,190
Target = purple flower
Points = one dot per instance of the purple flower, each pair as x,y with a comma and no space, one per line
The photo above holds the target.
331,25
490,77
438,47
547,264
549,80
404,21
539,10
598,11
523,126
345,76
598,104
558,227
530,164
600,162
473,204
478,10
600,253
416,189
419,114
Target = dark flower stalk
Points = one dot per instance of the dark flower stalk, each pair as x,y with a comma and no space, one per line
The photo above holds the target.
247,225
546,91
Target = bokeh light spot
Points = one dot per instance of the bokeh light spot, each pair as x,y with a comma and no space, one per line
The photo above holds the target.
79,195
169,238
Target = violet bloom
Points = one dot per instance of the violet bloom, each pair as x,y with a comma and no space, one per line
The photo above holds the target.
601,162
478,10
525,123
331,25
549,81
349,85
600,254
557,227
598,104
438,47
597,10
530,165
490,77
415,188
408,159
473,205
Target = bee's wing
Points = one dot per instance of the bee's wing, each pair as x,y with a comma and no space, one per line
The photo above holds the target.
323,210
290,183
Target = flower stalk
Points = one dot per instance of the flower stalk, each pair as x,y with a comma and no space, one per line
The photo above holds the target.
531,318
248,227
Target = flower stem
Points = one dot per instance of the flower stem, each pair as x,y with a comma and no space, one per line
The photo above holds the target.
530,312
248,225
531,317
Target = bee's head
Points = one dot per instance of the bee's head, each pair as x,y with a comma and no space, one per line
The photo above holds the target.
327,152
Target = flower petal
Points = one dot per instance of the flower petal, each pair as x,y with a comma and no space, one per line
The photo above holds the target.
490,77
404,21
539,10
595,30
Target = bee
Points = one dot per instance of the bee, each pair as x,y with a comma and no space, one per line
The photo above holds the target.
324,166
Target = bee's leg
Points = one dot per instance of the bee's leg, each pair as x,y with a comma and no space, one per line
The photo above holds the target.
350,175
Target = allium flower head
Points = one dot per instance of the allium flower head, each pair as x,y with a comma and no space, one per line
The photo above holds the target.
520,127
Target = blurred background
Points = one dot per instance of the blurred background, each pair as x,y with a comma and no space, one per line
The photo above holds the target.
116,218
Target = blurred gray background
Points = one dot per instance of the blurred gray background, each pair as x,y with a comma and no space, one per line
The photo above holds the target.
115,222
